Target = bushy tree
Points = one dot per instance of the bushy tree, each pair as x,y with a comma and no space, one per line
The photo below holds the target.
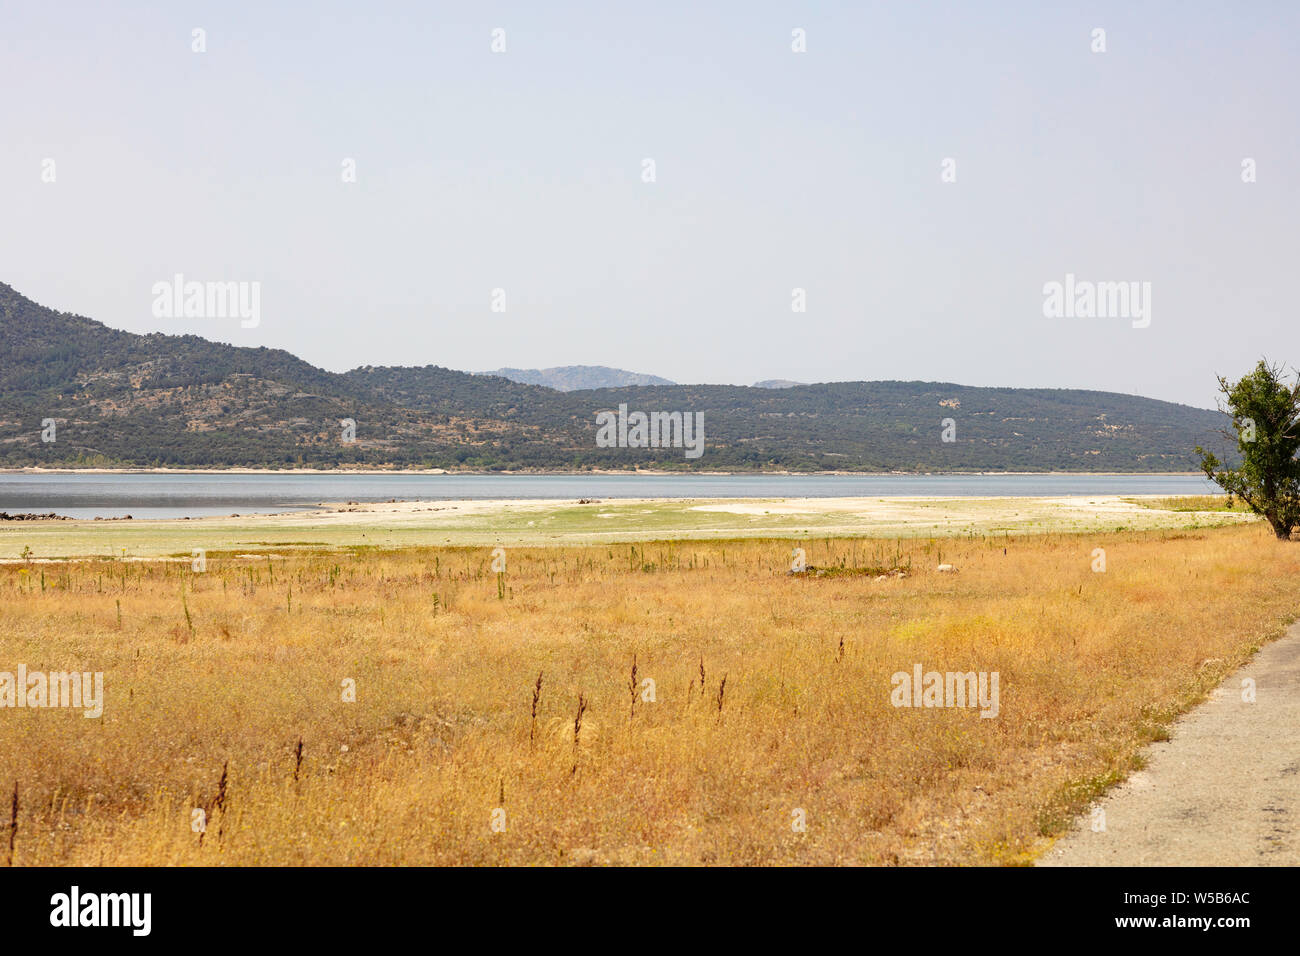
1265,414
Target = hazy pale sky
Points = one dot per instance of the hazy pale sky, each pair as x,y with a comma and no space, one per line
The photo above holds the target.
774,170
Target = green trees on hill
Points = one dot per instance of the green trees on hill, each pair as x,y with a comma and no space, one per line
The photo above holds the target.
139,400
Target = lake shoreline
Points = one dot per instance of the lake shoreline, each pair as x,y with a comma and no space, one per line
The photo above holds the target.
340,526
595,472
170,493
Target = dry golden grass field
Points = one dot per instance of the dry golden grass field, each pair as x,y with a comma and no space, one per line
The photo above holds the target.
772,698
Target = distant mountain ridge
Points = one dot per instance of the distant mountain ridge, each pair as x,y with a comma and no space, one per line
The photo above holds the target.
111,398
572,378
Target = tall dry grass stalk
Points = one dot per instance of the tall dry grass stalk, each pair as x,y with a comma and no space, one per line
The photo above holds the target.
577,730
217,805
537,696
633,687
13,824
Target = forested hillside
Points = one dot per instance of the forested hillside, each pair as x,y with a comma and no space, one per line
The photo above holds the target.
157,400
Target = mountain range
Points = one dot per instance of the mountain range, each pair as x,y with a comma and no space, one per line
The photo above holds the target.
571,378
115,398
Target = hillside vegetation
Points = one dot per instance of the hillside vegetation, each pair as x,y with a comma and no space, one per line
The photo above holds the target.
158,400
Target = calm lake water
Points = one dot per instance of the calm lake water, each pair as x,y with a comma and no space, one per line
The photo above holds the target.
81,495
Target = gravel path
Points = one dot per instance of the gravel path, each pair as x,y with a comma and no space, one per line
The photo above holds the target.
1223,791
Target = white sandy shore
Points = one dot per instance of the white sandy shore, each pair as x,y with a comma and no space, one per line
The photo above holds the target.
881,509
562,522
884,510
